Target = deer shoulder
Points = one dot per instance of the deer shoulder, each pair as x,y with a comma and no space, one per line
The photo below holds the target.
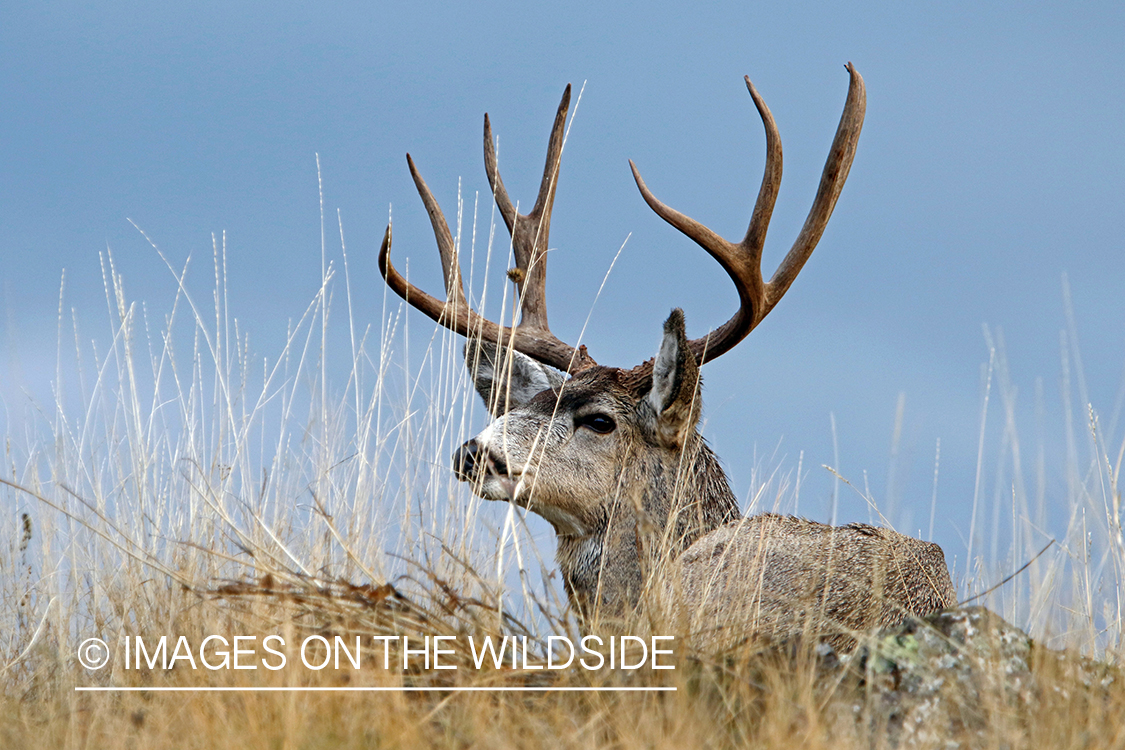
781,578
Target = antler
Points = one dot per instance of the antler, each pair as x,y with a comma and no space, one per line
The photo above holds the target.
529,232
743,261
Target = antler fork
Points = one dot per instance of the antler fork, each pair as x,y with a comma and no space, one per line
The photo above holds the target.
743,261
529,233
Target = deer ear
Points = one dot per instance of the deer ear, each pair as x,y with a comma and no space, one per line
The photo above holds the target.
675,384
505,378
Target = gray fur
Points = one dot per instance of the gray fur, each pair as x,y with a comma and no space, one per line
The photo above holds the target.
505,378
782,578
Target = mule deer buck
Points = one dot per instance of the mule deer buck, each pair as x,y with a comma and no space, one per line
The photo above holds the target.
612,458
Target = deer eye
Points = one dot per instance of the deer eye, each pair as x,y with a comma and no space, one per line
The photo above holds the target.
599,423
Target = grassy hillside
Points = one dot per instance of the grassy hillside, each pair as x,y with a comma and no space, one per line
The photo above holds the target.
181,485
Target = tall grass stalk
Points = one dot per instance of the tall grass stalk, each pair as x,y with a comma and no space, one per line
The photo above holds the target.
175,459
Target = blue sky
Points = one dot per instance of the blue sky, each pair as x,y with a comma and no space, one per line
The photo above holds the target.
991,163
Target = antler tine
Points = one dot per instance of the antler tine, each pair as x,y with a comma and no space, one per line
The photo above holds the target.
431,306
454,312
742,261
530,231
831,183
447,248
499,192
755,238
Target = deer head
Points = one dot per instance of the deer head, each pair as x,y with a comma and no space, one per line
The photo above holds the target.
611,456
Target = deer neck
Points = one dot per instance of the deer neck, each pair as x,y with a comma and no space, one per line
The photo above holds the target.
664,505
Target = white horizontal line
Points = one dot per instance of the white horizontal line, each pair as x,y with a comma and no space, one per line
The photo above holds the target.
297,689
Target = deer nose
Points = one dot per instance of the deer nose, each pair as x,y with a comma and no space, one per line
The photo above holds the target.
467,459
472,459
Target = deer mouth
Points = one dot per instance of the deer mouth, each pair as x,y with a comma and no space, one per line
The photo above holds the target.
502,487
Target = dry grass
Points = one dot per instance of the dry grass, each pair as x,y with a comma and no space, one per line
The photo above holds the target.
179,486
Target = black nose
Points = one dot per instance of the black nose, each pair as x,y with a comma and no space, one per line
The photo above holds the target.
466,459
472,460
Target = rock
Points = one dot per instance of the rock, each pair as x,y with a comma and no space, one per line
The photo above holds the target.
962,677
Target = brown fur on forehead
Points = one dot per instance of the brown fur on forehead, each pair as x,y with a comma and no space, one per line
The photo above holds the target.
620,386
